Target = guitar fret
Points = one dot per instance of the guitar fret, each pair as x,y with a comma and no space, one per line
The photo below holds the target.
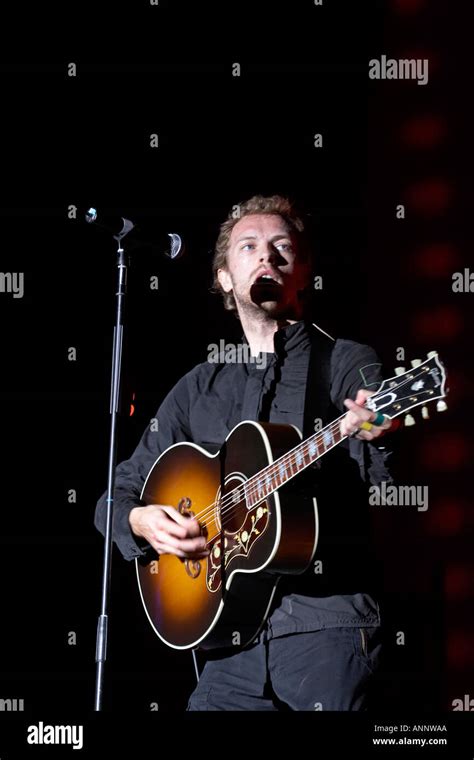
248,495
274,477
277,474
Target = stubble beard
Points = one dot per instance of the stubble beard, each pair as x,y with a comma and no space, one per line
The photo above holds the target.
266,311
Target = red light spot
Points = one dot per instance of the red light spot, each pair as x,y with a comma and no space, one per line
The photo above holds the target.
408,6
444,323
445,452
458,581
132,405
460,649
430,197
423,131
447,518
436,260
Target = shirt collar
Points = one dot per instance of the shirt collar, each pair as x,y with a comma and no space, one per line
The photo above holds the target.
290,337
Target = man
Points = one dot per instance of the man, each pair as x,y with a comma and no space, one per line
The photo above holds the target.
319,647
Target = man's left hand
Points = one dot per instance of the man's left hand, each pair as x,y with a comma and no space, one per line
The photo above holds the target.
358,414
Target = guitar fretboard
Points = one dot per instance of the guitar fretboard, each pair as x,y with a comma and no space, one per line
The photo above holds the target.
420,385
279,472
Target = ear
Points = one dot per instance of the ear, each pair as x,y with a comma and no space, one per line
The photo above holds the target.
224,280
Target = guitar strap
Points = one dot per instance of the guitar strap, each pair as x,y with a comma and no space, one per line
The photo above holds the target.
318,404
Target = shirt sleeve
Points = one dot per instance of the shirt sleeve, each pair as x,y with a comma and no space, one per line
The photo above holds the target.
170,425
354,366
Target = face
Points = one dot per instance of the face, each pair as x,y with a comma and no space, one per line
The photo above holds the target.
264,269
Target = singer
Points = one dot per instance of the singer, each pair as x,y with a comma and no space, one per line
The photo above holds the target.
320,645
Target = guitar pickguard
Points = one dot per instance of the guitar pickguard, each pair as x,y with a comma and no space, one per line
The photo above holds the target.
236,544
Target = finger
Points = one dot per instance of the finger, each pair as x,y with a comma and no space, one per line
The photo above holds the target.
351,423
364,435
164,523
190,523
362,395
370,435
359,402
352,427
164,548
349,429
184,544
358,412
378,431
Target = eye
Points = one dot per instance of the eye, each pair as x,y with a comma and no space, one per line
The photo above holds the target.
285,246
247,246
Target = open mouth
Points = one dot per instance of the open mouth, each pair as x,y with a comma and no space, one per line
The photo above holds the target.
266,279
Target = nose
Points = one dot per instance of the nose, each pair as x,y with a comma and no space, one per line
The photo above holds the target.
269,253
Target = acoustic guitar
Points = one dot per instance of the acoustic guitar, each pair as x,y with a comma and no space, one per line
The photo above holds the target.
257,530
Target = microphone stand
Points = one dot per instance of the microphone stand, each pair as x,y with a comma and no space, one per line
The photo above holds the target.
102,625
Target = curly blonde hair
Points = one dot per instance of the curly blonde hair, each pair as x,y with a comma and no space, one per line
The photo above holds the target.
258,204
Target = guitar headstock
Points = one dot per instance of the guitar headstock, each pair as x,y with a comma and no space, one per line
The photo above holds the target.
423,383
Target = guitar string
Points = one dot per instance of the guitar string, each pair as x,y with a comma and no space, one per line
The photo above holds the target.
309,442
230,499
240,491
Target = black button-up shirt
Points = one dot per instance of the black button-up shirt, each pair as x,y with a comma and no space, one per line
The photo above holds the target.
216,395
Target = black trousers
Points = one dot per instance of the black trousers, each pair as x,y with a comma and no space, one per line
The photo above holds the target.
330,669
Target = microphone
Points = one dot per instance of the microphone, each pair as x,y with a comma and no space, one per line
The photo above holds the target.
169,244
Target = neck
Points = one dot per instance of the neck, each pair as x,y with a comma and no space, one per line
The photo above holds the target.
260,332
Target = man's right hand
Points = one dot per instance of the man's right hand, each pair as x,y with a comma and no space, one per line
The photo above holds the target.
168,531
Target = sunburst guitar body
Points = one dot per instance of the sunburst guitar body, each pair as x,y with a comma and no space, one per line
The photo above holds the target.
222,599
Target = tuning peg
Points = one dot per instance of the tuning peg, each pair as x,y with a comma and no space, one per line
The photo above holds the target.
425,413
399,370
441,406
415,363
409,420
432,354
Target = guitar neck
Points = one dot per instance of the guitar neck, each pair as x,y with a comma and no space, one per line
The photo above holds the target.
279,472
423,384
